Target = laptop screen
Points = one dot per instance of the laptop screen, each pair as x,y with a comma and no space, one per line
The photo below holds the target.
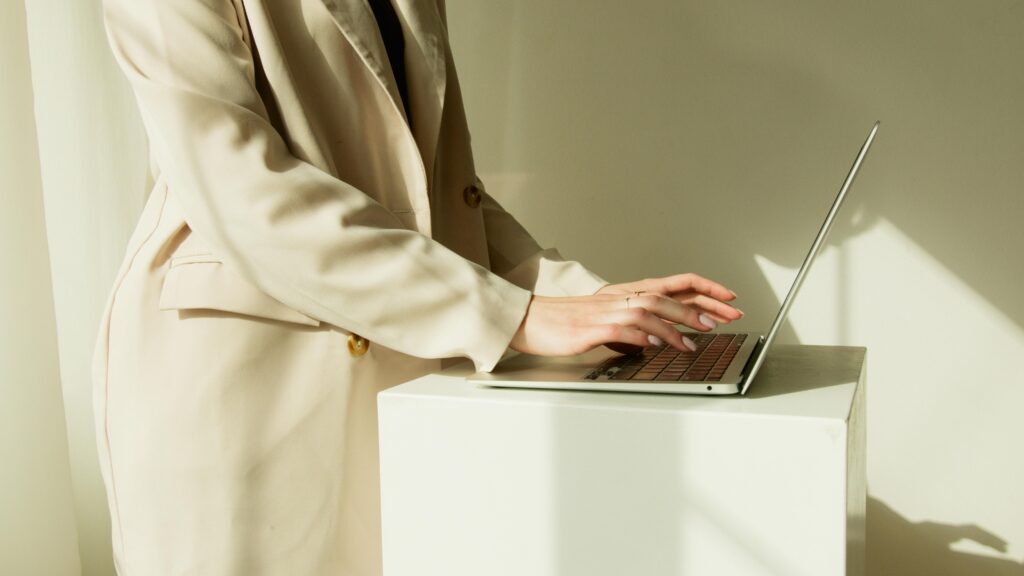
819,240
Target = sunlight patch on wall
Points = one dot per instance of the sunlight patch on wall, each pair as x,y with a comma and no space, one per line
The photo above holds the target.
944,385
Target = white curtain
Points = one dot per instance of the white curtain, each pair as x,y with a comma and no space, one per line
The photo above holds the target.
72,148
37,532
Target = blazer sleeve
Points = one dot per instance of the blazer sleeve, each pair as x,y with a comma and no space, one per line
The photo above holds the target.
301,235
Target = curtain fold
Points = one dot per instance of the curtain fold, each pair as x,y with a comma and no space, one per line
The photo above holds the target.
94,173
37,524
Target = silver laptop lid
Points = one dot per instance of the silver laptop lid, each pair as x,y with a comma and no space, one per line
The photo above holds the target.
780,318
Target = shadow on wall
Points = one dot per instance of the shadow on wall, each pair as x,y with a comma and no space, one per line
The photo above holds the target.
900,547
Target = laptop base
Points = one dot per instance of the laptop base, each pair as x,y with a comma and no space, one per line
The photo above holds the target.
569,373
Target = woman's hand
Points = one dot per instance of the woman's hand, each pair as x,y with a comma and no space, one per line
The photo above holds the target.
625,317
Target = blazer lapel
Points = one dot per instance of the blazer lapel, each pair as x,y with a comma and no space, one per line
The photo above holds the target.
424,26
356,21
425,62
426,73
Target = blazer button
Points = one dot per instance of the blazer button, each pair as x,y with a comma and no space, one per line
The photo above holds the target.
471,195
357,345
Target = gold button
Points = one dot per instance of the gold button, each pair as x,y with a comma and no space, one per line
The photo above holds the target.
357,345
471,195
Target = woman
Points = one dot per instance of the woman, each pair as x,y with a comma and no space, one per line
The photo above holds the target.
316,233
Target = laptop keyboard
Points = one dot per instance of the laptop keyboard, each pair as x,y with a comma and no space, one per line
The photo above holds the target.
664,363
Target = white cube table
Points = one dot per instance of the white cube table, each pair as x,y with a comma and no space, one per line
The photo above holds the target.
479,481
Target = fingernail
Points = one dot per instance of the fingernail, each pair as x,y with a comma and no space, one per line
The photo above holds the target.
689,344
707,321
740,311
733,293
654,340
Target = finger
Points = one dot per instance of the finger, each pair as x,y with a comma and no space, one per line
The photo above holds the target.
623,348
722,311
598,334
672,310
651,324
694,283
715,318
709,320
596,299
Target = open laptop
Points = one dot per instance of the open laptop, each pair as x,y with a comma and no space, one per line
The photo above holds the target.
724,363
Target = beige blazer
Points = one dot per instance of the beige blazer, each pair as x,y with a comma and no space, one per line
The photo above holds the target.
301,250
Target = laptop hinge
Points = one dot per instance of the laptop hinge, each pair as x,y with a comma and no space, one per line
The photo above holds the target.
754,354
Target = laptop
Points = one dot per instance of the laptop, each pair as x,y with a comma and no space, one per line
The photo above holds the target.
724,363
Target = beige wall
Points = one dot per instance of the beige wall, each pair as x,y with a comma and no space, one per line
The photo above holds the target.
94,172
660,136
632,138
37,527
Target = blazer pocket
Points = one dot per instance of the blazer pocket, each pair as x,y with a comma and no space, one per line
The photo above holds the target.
202,281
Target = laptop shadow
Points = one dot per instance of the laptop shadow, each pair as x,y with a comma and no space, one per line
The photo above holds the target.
794,369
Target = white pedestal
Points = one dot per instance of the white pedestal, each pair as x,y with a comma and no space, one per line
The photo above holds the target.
483,481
